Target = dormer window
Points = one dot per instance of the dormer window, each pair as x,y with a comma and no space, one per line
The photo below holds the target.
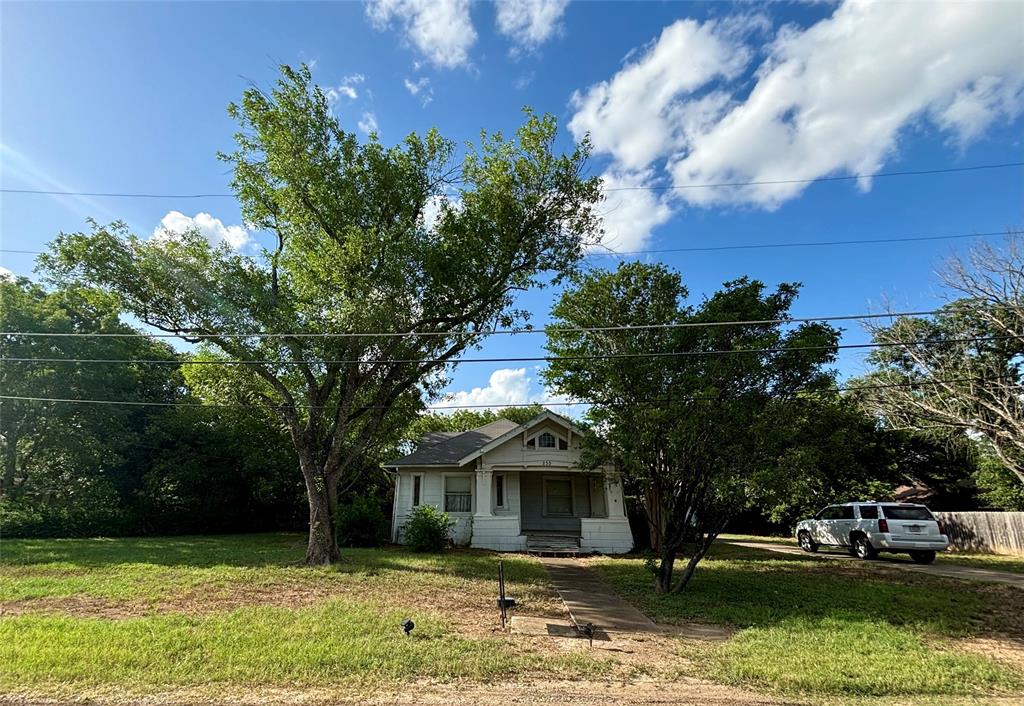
547,440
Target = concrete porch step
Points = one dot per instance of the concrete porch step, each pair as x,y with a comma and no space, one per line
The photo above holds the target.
552,545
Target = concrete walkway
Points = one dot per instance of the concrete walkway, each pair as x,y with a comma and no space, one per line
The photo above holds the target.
966,573
589,599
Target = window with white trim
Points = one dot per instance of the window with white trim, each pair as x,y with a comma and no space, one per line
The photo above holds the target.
547,440
499,491
458,493
417,489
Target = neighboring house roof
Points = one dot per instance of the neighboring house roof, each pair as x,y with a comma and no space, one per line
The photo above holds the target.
446,448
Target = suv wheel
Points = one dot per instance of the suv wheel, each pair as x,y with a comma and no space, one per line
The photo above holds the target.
862,548
922,557
806,543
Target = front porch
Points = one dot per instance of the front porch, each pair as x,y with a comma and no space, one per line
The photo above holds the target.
549,510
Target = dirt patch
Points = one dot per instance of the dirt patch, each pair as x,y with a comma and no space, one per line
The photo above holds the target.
1007,650
531,693
467,612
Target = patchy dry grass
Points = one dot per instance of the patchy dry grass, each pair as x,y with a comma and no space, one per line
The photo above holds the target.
154,613
819,628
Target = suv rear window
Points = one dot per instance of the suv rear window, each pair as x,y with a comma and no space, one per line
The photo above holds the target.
909,512
868,512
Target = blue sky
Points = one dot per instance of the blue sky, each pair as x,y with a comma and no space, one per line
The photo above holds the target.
131,98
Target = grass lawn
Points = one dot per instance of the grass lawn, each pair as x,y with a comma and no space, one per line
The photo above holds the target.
820,628
148,614
231,614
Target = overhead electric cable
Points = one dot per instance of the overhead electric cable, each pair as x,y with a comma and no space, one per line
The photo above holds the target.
666,187
244,405
482,332
514,359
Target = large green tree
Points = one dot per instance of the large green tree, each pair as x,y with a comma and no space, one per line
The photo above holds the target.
368,240
59,452
696,429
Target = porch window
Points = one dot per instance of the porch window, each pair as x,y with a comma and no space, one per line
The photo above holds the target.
547,440
557,496
458,494
499,491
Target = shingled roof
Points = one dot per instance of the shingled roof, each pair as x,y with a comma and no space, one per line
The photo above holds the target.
448,448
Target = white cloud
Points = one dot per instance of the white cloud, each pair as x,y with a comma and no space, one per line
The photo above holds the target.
524,80
176,222
631,214
530,23
441,30
832,98
5,273
643,112
835,97
420,87
368,123
345,89
506,386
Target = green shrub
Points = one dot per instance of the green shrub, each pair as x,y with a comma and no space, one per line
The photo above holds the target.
362,523
29,520
427,529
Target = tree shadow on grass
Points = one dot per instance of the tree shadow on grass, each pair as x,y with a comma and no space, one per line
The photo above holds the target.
747,588
254,551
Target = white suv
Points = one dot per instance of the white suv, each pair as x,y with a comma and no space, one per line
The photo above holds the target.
867,528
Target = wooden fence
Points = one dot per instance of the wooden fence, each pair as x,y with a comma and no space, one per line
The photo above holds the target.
994,532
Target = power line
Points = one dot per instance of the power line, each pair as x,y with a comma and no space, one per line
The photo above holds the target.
245,405
746,246
807,244
483,332
516,359
667,187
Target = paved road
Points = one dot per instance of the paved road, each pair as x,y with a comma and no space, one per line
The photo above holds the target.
966,573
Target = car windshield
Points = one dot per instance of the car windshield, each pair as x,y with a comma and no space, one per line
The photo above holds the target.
906,512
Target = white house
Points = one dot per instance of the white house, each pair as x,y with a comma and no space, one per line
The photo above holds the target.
511,487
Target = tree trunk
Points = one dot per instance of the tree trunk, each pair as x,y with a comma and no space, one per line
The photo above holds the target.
655,518
10,466
700,549
322,547
663,583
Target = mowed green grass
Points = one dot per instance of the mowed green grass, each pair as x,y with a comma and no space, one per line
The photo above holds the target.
816,628
145,614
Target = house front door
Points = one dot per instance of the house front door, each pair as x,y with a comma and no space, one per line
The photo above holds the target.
553,502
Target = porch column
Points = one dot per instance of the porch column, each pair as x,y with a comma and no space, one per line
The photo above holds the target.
483,492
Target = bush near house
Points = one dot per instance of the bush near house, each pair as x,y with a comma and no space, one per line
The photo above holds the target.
428,529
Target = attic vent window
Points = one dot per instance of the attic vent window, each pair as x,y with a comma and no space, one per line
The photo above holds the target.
546,441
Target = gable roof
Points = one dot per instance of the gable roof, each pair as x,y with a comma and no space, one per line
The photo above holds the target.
452,448
519,429
448,448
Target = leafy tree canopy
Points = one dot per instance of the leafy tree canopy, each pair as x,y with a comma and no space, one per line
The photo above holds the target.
700,433
356,251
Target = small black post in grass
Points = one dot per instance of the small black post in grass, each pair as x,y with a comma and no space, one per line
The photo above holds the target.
501,593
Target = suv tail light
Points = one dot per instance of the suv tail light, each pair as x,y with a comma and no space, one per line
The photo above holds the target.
942,526
883,525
